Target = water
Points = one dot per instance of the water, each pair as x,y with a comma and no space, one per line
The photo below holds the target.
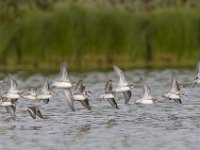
165,125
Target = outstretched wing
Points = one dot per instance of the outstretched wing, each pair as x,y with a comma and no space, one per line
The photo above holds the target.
127,96
64,72
146,90
120,76
32,112
174,84
45,87
113,103
108,87
11,110
86,104
38,113
198,69
13,83
69,98
79,87
46,101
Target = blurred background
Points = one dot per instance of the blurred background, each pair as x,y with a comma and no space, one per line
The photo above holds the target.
95,34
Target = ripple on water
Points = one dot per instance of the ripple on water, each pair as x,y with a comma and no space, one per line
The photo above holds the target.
165,125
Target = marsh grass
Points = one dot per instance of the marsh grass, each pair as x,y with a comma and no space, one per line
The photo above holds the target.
91,37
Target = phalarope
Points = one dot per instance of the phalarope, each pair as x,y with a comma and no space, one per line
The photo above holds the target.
109,95
174,92
64,83
45,93
81,94
13,93
197,78
123,85
10,107
146,98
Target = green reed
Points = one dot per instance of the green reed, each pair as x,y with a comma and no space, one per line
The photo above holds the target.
92,37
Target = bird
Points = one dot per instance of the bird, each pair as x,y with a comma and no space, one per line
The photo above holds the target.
10,107
174,92
31,94
109,94
13,93
63,82
81,94
146,98
123,85
196,81
45,93
35,111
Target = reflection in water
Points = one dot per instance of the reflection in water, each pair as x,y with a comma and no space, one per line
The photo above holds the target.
110,123
122,141
82,130
31,128
172,117
12,127
4,128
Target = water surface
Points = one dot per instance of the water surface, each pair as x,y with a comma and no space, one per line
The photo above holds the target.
165,125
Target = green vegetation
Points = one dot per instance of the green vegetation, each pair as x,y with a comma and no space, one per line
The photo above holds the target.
93,36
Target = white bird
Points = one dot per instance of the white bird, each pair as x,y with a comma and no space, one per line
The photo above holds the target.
196,81
123,85
146,98
45,93
69,97
197,78
109,95
13,93
64,83
31,94
174,92
10,107
81,94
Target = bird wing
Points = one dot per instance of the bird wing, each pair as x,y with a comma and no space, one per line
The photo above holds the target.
127,96
146,91
64,72
69,98
113,103
120,76
46,101
32,112
108,87
38,113
45,87
174,84
86,104
79,87
13,83
198,69
11,110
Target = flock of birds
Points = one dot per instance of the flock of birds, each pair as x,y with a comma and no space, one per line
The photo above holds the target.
76,91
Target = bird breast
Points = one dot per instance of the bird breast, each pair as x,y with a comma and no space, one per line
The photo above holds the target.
122,89
62,84
79,97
